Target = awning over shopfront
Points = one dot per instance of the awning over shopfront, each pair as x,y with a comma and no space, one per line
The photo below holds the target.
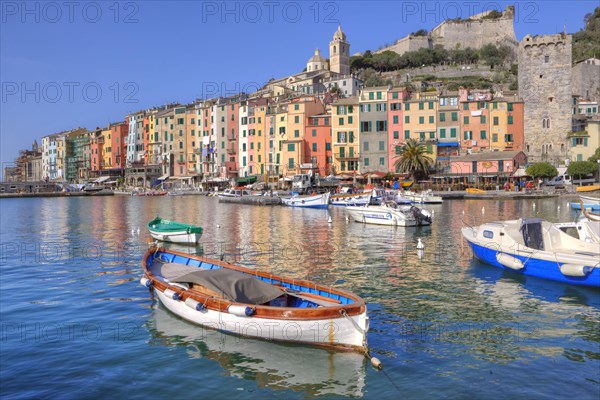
102,179
447,144
519,173
248,179
162,178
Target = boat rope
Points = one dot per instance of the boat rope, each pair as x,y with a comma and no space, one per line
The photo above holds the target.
358,328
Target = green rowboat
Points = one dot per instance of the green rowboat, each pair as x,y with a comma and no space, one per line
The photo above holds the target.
173,231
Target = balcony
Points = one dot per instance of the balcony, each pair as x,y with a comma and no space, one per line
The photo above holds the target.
231,151
345,156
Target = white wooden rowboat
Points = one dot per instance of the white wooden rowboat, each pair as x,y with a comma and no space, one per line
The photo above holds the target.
242,301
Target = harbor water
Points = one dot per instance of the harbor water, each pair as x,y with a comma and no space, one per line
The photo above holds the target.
75,322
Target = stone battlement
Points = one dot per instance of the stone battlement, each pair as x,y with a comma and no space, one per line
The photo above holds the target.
545,40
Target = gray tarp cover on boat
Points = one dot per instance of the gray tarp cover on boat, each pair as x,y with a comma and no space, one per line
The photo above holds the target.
235,286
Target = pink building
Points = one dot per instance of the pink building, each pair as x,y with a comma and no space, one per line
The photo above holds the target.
396,98
488,165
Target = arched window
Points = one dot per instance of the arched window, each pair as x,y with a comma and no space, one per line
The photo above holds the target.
334,49
547,122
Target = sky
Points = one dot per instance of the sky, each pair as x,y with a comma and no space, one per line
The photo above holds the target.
68,64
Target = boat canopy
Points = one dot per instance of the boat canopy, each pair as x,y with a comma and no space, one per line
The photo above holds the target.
532,233
235,286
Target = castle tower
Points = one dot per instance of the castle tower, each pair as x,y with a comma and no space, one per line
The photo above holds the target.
339,53
545,84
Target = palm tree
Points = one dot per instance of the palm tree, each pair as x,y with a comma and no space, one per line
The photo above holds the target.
414,158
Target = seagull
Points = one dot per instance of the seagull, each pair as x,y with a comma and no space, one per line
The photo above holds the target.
218,226
420,245
138,230
329,220
483,210
132,232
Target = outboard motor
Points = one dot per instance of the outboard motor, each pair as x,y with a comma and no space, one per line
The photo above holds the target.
421,216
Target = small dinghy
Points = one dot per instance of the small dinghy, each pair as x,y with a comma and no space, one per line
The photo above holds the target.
243,301
537,248
175,232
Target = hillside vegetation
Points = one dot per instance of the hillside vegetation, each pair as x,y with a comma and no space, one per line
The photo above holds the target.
586,42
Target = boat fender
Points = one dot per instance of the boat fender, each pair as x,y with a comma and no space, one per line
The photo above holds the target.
509,261
240,311
193,304
376,363
171,294
145,281
575,270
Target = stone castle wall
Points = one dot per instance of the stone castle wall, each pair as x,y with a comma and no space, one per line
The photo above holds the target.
586,81
474,32
409,43
545,84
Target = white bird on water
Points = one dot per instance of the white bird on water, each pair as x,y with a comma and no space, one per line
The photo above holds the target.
218,226
138,230
132,232
420,245
483,210
329,220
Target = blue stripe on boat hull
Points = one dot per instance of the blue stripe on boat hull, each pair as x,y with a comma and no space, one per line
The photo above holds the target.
535,267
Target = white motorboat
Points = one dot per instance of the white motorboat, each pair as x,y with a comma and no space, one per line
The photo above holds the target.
390,213
425,197
316,201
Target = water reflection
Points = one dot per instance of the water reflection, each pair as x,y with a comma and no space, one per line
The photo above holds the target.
313,371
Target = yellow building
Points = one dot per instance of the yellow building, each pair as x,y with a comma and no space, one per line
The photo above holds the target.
107,149
498,124
293,148
582,145
420,120
152,139
258,144
345,135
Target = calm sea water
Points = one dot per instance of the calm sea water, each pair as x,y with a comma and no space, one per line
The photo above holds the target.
76,323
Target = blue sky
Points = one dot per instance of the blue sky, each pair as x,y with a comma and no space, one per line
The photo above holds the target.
88,63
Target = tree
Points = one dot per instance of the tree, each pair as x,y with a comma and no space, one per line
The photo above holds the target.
371,78
596,156
335,90
542,170
580,169
414,159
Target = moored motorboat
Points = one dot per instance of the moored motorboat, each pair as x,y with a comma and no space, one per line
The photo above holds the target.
537,248
585,229
315,201
390,213
586,203
243,301
351,199
425,197
173,231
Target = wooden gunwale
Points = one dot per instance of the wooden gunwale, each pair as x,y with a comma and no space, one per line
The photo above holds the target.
261,311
